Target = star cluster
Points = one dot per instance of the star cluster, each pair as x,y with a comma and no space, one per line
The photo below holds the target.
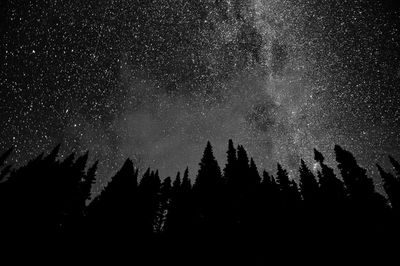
154,80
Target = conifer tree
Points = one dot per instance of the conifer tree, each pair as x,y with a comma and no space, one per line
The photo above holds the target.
391,184
360,187
230,167
176,185
209,175
282,178
254,176
332,190
164,203
368,207
114,211
148,196
207,189
88,181
308,186
242,166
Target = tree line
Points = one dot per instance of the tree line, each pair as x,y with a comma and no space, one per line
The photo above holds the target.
225,212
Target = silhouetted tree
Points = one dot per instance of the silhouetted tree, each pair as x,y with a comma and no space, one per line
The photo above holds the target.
254,175
209,175
332,190
270,199
368,207
391,184
230,167
113,213
149,198
88,181
243,167
180,212
207,189
309,186
164,202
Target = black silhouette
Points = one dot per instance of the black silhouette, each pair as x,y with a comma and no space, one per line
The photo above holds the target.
223,216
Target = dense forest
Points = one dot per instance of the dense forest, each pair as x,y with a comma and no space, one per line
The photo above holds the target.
231,215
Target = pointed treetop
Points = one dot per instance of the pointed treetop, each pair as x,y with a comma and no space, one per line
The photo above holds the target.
186,173
242,155
177,181
253,174
54,153
282,177
231,151
318,157
178,176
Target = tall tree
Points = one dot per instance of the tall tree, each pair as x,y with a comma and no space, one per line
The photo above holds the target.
369,208
209,175
332,190
230,167
308,185
164,204
114,211
391,184
149,198
254,175
207,189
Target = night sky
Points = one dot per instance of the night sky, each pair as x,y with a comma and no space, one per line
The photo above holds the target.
155,79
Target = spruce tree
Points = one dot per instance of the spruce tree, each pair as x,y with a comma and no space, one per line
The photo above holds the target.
207,189
114,211
391,184
308,185
368,207
164,204
230,167
209,175
254,176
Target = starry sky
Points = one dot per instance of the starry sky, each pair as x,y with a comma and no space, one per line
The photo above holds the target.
155,79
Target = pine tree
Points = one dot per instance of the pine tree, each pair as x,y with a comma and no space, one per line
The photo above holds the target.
148,196
308,185
368,207
254,176
88,181
242,166
209,175
176,185
282,178
207,189
391,184
360,187
230,167
114,211
186,183
332,190
164,203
